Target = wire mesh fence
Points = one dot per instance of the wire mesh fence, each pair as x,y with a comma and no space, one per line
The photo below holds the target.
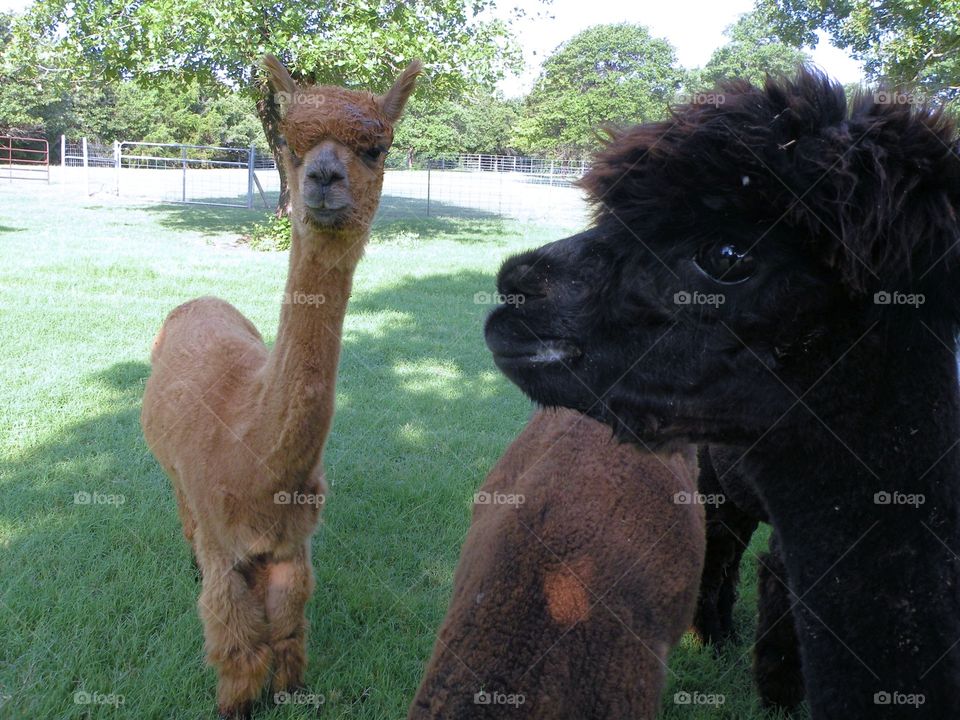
465,185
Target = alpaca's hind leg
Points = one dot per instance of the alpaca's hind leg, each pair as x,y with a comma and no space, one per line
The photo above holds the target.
235,628
776,654
289,586
728,533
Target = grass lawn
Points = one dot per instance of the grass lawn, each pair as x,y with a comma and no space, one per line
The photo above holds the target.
100,597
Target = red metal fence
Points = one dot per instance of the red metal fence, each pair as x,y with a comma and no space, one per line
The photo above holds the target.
24,158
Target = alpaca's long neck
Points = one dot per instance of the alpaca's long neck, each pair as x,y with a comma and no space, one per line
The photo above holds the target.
298,382
862,485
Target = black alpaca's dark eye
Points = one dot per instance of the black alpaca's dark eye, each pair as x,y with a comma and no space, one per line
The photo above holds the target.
374,154
725,262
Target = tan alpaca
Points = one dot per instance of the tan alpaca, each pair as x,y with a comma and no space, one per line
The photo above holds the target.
239,429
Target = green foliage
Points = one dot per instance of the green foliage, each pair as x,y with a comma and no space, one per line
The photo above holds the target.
752,51
474,124
607,73
903,41
274,234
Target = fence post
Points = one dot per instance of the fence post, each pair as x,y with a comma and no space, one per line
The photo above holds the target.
428,188
183,159
63,151
251,156
86,163
117,162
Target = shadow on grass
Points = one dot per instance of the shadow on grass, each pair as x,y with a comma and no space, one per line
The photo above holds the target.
102,597
405,212
6,229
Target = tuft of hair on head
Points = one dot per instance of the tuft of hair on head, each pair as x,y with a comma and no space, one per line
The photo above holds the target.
395,99
280,80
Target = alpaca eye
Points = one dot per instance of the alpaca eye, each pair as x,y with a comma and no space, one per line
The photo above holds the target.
725,262
374,154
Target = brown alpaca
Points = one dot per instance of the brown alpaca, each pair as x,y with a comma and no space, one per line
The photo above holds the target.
566,605
240,429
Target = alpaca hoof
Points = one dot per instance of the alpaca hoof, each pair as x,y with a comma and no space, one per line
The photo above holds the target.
241,711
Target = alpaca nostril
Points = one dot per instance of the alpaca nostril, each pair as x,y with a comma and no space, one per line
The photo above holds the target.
325,176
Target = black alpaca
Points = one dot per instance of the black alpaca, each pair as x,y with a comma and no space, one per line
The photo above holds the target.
730,526
779,271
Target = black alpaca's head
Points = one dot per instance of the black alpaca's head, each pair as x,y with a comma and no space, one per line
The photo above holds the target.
733,239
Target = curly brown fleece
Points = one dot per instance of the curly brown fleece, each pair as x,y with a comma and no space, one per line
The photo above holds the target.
566,604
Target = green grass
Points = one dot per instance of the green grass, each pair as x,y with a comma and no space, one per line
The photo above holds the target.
101,598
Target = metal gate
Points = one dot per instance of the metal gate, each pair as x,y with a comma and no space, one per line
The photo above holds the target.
24,158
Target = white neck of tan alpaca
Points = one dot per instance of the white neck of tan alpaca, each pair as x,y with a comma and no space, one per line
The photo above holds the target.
298,381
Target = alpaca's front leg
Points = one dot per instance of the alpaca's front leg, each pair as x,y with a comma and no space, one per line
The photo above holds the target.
235,629
289,586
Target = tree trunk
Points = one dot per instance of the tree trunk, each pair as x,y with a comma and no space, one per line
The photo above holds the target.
269,113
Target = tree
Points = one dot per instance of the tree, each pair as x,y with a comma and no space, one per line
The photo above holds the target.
476,123
902,41
220,43
607,73
752,51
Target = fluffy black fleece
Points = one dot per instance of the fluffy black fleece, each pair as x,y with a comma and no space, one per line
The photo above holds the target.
779,270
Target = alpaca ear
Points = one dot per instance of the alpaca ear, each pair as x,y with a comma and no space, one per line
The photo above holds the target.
284,88
394,100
